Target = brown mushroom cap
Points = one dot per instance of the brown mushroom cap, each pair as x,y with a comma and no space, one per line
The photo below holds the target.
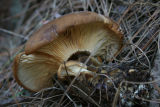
58,40
48,32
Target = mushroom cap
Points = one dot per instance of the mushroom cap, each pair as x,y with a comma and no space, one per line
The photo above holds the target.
48,32
34,72
58,40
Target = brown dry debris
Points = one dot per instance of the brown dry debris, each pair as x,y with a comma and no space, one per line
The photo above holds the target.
130,78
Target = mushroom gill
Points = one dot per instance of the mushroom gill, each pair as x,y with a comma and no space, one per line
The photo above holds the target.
33,71
94,38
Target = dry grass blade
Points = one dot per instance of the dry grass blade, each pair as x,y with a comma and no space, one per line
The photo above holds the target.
13,33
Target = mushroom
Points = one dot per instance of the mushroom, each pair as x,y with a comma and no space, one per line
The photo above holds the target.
66,39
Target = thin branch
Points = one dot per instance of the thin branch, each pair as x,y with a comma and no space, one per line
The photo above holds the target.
13,33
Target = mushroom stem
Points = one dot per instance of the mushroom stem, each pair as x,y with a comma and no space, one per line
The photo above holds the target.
73,68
